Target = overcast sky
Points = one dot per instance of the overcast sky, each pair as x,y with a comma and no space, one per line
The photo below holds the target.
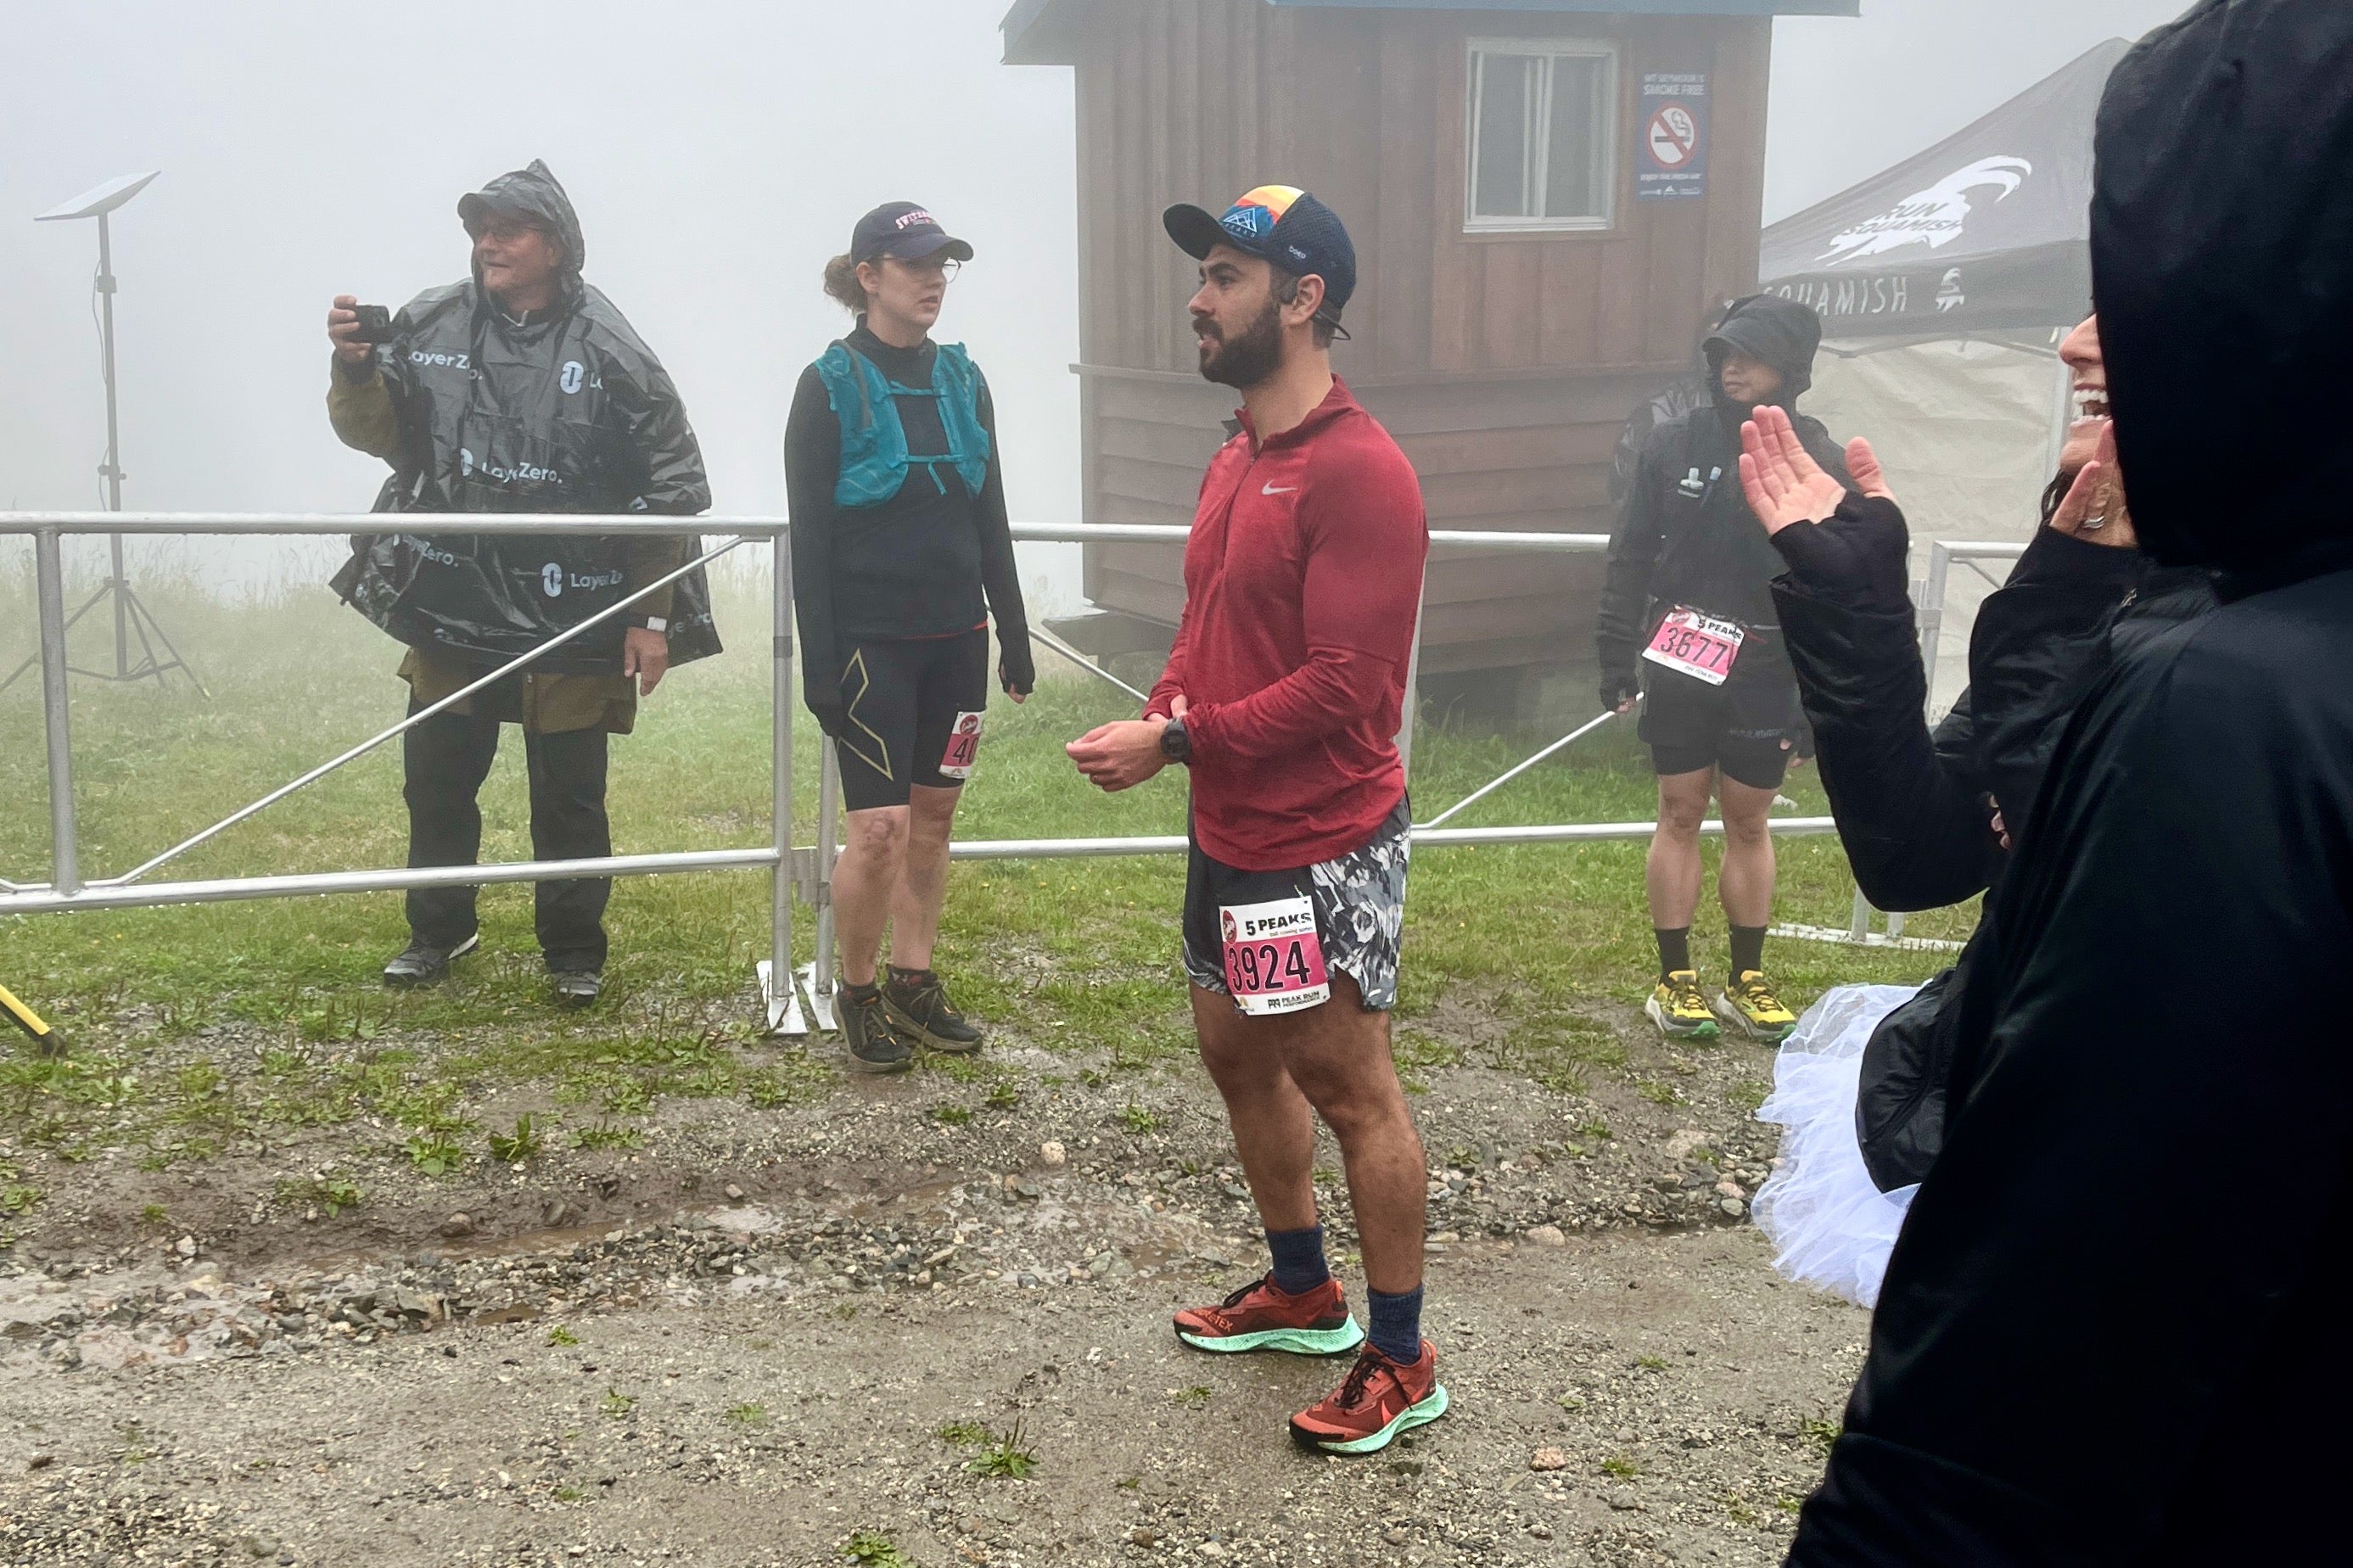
717,151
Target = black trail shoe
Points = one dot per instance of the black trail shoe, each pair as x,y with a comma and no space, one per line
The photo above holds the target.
917,1005
576,987
422,963
873,1047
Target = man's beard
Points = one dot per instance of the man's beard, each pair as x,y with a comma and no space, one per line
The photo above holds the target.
1251,359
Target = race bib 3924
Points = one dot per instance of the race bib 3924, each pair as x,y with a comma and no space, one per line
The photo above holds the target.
1274,959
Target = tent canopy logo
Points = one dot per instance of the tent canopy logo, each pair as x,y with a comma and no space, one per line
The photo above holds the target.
1934,217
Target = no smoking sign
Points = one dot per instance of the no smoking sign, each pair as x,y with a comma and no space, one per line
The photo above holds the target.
1672,161
1674,136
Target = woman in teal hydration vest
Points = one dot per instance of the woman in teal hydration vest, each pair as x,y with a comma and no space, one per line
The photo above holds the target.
901,552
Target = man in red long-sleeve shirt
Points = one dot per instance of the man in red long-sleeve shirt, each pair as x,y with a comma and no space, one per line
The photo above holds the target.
1303,579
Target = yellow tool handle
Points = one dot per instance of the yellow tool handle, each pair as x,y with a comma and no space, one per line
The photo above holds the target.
24,1018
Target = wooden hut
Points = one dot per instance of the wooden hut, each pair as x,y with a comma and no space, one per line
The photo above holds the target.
1549,197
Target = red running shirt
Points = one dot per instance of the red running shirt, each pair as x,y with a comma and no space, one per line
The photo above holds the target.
1303,579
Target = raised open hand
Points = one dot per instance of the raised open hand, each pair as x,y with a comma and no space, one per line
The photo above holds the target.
1783,482
2095,510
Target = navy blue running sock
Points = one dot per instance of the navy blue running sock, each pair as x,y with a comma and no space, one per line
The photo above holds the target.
1299,1264
1396,1325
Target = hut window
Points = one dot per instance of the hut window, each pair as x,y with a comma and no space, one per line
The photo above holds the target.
1542,152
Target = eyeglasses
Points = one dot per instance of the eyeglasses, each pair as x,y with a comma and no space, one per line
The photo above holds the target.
944,267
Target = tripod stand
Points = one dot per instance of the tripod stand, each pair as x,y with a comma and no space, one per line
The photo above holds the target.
133,618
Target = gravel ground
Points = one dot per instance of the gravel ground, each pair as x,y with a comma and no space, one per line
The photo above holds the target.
741,1341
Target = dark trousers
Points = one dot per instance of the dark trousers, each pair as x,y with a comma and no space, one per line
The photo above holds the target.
445,759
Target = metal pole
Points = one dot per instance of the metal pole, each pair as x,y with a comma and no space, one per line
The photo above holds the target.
113,469
783,997
819,973
1413,678
1932,614
1493,785
65,857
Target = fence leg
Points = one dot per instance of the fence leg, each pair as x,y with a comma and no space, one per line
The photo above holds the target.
819,975
776,987
1413,684
1859,929
65,855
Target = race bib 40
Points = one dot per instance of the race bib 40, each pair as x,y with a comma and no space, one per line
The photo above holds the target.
963,748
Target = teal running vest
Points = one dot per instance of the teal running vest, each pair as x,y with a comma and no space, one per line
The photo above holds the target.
875,456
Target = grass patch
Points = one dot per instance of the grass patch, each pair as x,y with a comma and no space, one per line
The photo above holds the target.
873,1549
561,1338
748,1414
1005,1455
1555,939
513,1148
1621,1466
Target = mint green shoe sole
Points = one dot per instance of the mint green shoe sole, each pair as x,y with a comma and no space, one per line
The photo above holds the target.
1294,1341
1413,1416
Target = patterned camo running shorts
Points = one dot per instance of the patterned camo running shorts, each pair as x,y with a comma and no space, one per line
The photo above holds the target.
1358,900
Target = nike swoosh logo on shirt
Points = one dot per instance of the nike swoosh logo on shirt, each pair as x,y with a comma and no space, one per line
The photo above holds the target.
1280,491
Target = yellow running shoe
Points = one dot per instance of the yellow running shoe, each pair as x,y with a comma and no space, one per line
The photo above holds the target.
1679,1008
1749,1005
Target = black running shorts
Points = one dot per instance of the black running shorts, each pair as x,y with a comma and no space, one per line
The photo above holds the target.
1358,901
1746,727
913,707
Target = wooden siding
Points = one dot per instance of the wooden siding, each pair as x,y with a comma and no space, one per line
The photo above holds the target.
1504,364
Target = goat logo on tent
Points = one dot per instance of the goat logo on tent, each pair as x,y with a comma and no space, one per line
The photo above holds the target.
1934,217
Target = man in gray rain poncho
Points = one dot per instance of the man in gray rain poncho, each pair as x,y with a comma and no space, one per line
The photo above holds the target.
518,389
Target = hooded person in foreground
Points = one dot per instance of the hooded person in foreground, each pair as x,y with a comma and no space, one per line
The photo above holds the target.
1928,819
519,389
2071,1365
1687,620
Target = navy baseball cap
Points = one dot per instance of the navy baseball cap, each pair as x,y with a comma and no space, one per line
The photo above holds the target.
1284,224
906,230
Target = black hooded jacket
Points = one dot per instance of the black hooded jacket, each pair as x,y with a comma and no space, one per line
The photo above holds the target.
2110,1331
1915,805
567,411
1685,535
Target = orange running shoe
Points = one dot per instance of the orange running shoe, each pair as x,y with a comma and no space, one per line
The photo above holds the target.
1379,1400
1258,1317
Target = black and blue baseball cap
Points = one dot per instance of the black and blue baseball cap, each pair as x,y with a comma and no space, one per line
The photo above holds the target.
904,229
1284,224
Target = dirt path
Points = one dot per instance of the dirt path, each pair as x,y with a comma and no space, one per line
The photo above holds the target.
734,1333
1682,1387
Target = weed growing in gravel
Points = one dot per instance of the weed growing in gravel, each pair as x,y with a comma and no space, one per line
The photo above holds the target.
15,1197
1570,1401
1003,1096
1191,1398
155,1214
617,1403
748,1414
1652,1362
568,1494
964,1434
873,1549
435,1153
1658,1093
606,1135
1003,1454
1596,1129
1135,1118
561,1338
513,1148
951,1115
1823,1435
1747,1095
1619,1466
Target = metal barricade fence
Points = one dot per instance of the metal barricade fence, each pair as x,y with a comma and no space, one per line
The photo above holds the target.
805,871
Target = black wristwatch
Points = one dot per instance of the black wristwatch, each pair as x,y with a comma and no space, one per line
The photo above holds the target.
1176,743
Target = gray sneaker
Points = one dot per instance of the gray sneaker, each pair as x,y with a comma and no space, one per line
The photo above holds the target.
917,1006
576,987
422,963
874,1045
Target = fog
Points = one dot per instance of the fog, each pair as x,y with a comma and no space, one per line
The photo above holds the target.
718,153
